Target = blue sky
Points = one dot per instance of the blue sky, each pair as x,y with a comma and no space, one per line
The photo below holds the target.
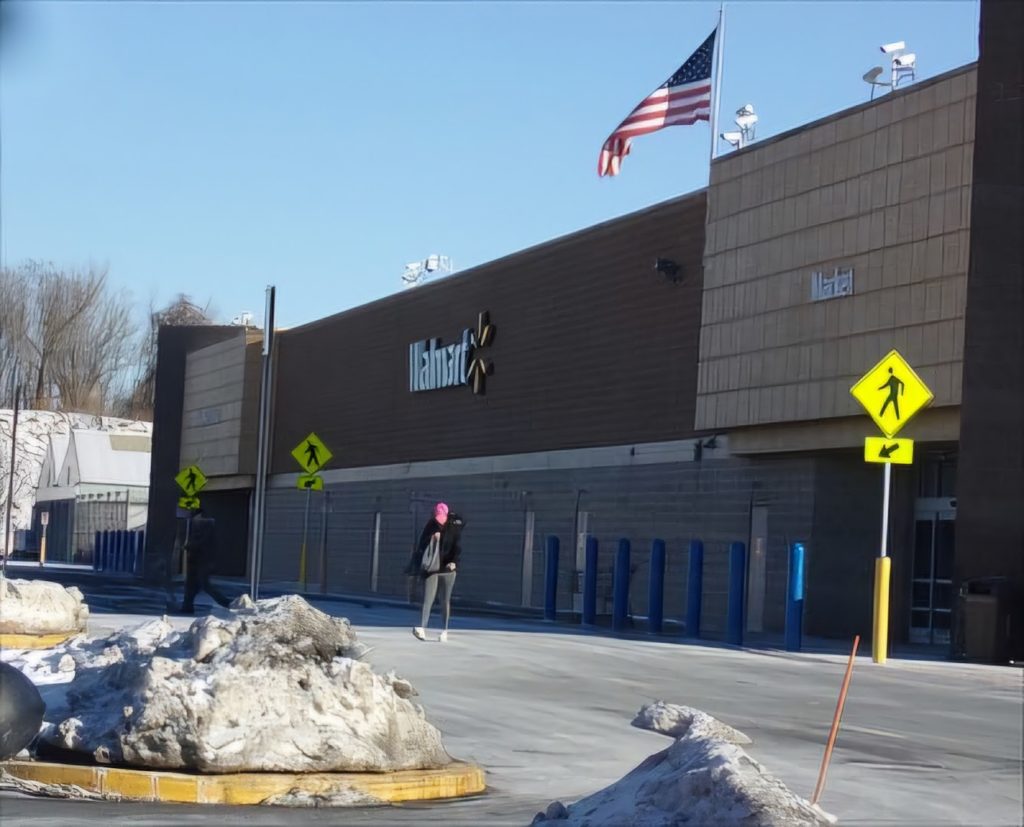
213,148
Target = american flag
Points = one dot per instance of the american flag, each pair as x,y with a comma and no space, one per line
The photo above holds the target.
683,99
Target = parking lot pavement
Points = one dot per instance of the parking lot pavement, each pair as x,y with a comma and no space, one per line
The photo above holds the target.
546,711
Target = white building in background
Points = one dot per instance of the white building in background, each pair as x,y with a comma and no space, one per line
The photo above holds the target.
91,481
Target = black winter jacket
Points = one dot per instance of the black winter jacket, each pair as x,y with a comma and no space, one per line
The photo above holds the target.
451,546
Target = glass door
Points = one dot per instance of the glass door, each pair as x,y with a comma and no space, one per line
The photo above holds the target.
931,603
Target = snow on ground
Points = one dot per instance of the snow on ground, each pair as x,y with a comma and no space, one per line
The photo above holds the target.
705,777
34,431
40,607
275,686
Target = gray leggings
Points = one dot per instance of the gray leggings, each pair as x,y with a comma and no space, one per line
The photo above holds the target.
447,580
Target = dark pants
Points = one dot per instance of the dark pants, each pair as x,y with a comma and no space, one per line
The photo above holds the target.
197,579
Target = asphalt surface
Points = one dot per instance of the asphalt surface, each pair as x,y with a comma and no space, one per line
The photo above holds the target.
546,710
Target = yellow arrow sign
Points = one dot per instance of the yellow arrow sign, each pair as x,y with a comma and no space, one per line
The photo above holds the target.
189,503
895,451
311,482
892,393
191,480
311,454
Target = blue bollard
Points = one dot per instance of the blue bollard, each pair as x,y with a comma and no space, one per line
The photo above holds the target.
694,588
656,589
551,580
96,552
795,599
590,583
737,576
620,587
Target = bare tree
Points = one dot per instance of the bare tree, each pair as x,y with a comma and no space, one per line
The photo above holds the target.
14,294
67,335
138,404
89,368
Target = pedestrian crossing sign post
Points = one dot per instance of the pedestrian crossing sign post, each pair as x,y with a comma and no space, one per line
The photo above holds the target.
312,455
892,394
191,480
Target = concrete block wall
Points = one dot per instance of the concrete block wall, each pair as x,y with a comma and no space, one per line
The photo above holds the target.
674,502
884,188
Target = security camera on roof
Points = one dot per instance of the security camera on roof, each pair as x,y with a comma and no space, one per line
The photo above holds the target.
898,46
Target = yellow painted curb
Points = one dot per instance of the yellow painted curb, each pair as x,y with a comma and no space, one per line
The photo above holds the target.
9,640
454,781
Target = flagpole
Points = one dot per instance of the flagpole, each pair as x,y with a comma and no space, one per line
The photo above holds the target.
717,91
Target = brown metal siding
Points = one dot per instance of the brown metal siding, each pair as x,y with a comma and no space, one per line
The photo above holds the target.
593,347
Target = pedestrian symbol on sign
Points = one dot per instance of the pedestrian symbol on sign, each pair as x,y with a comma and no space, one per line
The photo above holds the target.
895,387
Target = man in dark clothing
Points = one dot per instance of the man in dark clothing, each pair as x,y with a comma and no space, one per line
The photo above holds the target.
201,550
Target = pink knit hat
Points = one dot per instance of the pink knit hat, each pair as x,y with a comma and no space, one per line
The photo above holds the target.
441,513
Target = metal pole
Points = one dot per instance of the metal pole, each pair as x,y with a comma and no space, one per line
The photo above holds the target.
323,542
885,509
8,539
259,505
716,91
883,568
305,532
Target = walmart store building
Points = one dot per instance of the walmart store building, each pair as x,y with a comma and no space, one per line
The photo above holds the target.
573,389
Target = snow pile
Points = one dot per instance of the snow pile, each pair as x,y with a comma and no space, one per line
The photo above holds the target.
276,686
705,777
34,431
38,607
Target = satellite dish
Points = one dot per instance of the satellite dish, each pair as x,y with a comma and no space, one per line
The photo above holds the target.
872,74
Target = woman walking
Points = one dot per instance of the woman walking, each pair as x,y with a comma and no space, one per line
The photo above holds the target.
440,548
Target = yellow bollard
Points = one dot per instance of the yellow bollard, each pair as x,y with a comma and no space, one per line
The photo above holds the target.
880,637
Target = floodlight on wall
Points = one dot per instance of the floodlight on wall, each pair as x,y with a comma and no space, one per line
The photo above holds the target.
417,272
670,269
734,139
746,120
871,78
903,66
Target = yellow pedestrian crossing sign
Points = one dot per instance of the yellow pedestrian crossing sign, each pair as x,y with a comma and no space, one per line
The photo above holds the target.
895,451
188,503
311,454
191,479
311,482
892,393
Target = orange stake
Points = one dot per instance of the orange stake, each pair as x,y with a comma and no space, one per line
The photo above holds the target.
835,724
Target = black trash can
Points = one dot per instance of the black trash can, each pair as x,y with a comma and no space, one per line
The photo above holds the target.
984,614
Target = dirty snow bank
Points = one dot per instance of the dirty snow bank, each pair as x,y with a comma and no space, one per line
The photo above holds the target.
276,686
705,777
38,607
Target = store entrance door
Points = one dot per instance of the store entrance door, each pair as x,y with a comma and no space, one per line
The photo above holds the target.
931,602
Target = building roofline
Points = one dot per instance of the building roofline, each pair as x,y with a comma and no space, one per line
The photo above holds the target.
550,244
842,113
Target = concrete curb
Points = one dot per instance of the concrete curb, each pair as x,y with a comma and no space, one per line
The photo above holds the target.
9,640
454,781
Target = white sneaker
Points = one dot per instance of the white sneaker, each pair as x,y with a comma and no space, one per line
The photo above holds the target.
419,633
443,637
